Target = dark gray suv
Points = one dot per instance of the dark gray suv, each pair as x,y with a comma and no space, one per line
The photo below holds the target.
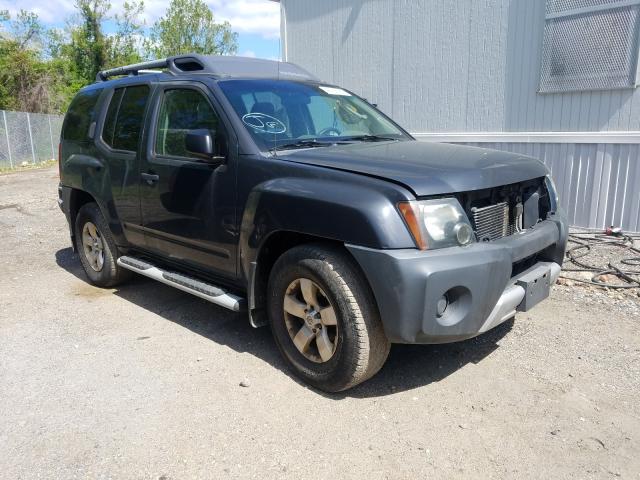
257,187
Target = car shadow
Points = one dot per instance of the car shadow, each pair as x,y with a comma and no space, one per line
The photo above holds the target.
413,366
408,366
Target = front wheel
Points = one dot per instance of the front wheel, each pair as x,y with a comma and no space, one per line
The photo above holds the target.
96,248
324,318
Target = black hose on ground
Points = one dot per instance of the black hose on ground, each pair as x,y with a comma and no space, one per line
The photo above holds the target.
587,242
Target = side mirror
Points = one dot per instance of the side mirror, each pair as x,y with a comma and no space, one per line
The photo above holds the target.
201,144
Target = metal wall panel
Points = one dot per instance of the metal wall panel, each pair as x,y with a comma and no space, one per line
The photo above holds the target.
448,66
598,184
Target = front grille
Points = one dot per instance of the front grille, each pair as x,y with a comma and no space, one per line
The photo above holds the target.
493,222
502,211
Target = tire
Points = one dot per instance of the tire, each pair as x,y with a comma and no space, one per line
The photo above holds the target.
357,344
104,273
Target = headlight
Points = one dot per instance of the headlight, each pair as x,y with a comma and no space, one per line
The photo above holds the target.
554,200
437,223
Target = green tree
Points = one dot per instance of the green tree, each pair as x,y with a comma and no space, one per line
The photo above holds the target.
88,48
30,80
30,84
27,30
41,70
189,26
126,44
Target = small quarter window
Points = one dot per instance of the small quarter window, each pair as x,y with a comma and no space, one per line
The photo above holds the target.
112,113
80,115
125,116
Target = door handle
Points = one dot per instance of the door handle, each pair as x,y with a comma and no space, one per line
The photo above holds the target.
150,178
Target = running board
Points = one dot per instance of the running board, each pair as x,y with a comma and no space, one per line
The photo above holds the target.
201,289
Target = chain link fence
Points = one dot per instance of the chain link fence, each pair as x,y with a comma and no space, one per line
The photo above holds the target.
28,138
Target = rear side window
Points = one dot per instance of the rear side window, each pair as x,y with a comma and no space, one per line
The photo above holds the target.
123,124
80,115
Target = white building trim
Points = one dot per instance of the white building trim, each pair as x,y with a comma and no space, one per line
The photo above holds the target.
532,137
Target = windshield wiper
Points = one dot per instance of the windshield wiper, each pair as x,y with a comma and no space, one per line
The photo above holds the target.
310,143
369,138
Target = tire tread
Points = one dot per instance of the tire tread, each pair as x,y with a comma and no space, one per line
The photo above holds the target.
372,346
115,274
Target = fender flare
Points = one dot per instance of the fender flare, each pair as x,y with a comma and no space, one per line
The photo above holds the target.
325,209
89,174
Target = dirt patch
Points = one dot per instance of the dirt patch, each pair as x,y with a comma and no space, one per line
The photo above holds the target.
89,291
18,208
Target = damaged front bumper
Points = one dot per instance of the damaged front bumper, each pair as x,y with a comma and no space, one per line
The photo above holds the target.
456,293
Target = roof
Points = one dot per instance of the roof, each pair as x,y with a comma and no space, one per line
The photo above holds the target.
215,65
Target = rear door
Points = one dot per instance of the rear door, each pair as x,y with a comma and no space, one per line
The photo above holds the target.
121,128
188,210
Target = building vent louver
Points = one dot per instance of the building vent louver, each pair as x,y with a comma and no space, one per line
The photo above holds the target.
590,45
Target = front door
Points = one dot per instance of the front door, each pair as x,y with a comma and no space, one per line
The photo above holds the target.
187,203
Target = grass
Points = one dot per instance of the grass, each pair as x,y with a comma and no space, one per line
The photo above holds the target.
28,166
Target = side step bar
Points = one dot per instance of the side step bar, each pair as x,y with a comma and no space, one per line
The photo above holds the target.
185,283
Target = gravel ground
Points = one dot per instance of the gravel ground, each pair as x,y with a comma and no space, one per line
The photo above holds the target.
143,381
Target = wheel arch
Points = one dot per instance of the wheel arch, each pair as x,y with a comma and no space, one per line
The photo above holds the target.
77,198
272,248
287,211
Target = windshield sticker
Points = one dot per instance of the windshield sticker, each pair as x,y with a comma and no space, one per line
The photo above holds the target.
335,91
264,123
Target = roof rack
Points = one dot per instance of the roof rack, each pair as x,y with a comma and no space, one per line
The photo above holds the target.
216,65
135,69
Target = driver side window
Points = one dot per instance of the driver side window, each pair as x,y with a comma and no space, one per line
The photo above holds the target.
182,110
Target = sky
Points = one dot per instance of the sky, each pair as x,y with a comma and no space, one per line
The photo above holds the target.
256,21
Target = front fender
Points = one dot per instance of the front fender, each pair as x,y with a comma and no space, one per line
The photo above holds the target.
362,213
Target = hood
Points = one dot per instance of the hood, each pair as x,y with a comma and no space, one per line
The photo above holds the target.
425,168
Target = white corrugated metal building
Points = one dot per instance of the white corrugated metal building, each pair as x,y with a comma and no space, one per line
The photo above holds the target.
555,79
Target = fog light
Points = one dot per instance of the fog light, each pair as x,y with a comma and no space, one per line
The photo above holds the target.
441,306
463,232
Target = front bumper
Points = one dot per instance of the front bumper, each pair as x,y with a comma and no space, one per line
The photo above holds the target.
477,280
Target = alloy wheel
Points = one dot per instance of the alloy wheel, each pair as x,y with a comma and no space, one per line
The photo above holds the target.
311,320
93,246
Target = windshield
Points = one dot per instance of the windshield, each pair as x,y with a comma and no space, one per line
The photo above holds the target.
287,114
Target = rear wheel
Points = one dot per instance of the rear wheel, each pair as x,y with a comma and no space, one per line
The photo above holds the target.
324,318
96,248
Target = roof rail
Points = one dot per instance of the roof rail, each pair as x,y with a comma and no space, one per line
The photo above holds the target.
216,65
134,69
